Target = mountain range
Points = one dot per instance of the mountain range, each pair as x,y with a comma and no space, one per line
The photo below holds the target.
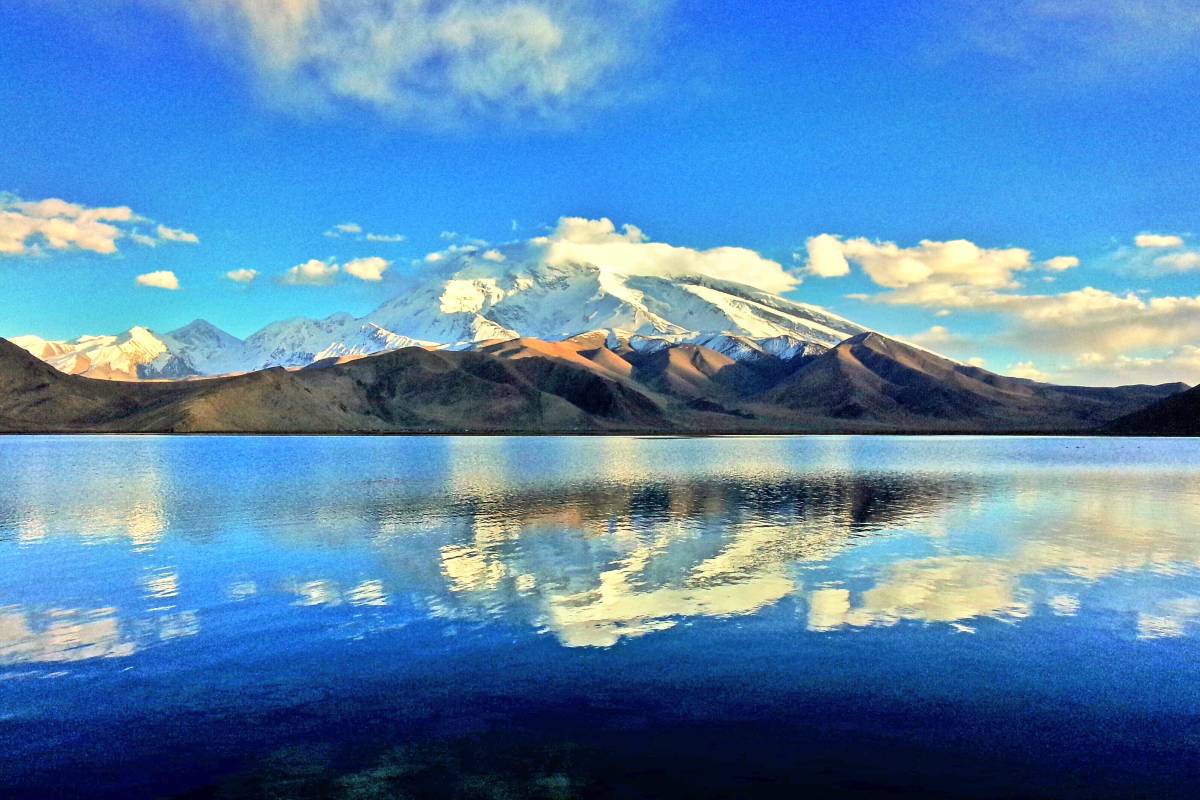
470,299
489,343
867,383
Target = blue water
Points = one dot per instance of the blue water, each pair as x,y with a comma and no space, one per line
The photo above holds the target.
599,617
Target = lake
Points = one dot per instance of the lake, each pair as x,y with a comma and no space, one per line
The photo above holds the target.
369,617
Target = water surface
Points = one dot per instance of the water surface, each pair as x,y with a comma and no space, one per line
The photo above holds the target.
598,617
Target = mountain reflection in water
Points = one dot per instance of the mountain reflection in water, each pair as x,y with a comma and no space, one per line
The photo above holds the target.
318,576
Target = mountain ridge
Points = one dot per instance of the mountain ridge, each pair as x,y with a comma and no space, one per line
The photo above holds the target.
467,300
573,386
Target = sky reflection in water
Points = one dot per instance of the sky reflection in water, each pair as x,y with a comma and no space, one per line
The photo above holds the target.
288,573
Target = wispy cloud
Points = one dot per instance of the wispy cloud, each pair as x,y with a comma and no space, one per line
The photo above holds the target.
1082,40
354,231
1156,254
176,235
434,63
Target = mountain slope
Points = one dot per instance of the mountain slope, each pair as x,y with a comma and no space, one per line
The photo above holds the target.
1177,415
866,384
871,382
408,390
35,396
471,297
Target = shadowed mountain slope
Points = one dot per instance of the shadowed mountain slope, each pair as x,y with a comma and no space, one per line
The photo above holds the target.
872,382
865,384
1177,415
409,390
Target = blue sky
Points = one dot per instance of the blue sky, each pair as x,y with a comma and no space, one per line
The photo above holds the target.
1040,129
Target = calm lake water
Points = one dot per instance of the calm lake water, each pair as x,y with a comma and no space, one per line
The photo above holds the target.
598,617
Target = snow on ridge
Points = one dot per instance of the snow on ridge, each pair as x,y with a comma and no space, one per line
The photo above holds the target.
469,299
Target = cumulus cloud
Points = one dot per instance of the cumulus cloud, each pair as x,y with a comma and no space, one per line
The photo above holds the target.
319,272
243,276
313,272
1099,321
1125,334
161,279
1060,263
176,235
29,227
931,273
1178,364
1184,261
367,269
825,257
434,62
1158,240
1157,254
628,251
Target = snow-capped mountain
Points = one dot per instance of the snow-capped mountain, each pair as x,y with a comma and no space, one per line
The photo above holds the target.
201,348
299,342
121,357
471,296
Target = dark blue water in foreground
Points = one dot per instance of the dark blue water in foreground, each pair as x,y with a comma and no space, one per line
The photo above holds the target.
599,617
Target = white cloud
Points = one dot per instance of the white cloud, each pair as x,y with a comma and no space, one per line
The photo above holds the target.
347,228
176,235
352,230
825,258
628,251
940,339
26,226
1092,41
1158,240
1099,321
162,279
1027,369
931,273
313,272
936,336
367,269
1060,263
1179,364
1128,334
598,242
29,227
242,275
1184,261
434,62
1157,254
